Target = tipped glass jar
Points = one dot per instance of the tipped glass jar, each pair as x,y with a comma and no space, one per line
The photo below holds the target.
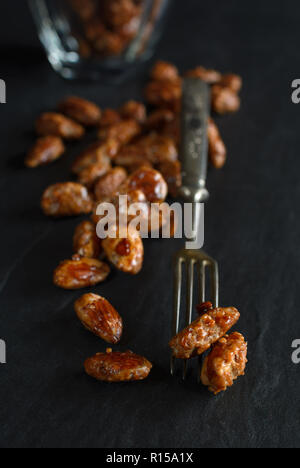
98,39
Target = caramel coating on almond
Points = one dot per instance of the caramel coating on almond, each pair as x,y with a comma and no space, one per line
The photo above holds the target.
80,273
203,332
158,118
100,317
118,367
66,199
164,94
126,254
85,241
225,363
164,71
90,174
150,182
134,110
208,75
52,123
171,172
109,117
99,152
122,132
217,149
85,9
117,13
108,184
83,111
46,150
232,81
224,100
153,148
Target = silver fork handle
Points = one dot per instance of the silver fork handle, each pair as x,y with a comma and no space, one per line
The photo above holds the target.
194,143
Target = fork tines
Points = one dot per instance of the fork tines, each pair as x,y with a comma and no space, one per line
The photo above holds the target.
192,259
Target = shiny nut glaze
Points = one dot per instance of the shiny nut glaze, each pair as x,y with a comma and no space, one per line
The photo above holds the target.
131,156
107,185
111,26
85,112
204,74
89,175
118,367
80,272
128,31
66,199
122,132
216,146
52,123
134,110
157,119
108,43
158,148
126,254
154,148
46,150
138,164
164,94
173,130
164,71
94,28
224,100
225,363
117,13
203,332
204,307
171,172
97,152
85,241
150,182
99,317
232,81
109,117
86,9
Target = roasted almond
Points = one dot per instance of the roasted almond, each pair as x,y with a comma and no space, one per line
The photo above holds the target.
66,199
46,150
126,254
80,273
107,185
85,112
150,182
86,242
99,317
117,367
52,123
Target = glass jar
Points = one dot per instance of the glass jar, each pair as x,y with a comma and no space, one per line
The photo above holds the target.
98,39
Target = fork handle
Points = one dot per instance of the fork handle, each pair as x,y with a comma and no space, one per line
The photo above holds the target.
194,142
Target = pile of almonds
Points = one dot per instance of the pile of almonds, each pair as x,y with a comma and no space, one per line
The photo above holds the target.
135,154
106,28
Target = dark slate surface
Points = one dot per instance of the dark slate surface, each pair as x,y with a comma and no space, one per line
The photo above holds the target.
252,228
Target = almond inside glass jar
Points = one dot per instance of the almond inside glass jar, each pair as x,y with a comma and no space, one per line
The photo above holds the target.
105,28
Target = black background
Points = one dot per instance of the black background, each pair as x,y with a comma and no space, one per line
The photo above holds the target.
252,229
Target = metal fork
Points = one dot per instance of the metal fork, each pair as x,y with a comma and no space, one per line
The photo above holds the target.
194,159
